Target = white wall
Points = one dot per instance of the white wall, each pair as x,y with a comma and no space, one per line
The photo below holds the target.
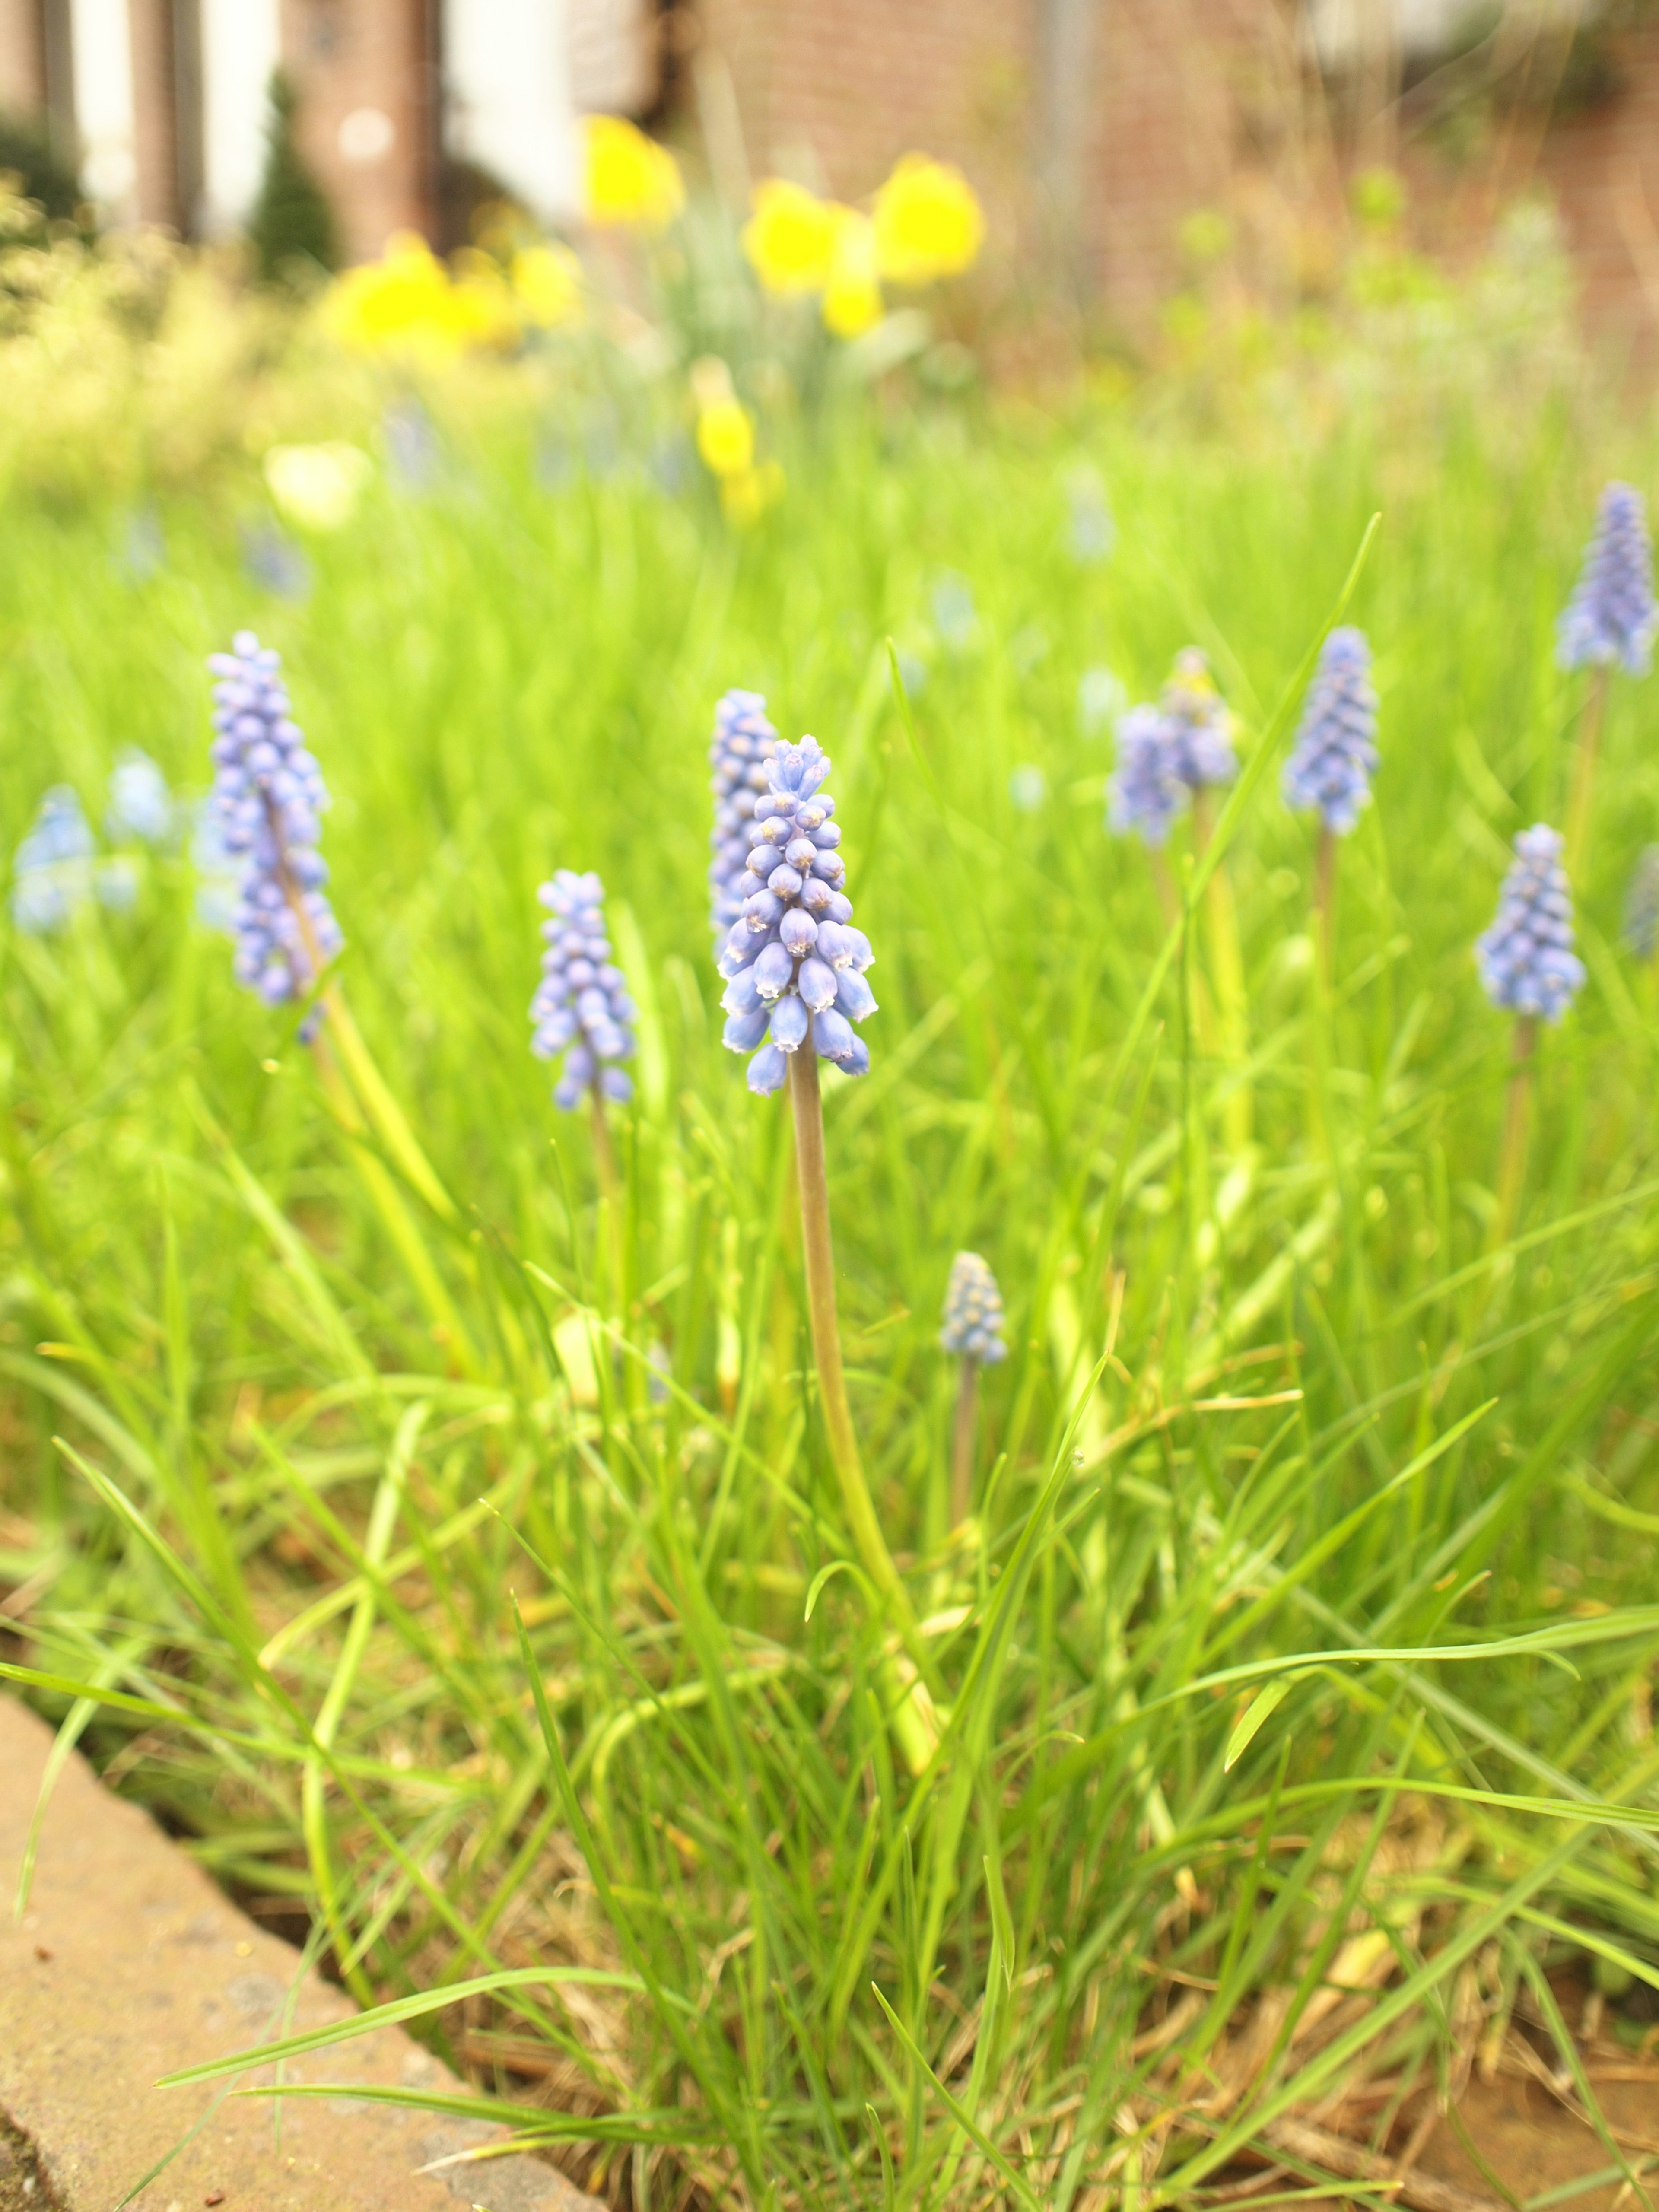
100,38
241,46
1342,27
507,78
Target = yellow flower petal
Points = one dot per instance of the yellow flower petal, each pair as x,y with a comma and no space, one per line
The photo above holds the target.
852,294
631,179
790,238
928,221
725,438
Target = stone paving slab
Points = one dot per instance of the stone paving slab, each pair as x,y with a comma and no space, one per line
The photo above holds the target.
129,1964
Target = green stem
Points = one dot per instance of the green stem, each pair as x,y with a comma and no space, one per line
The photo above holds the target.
1517,1119
1325,907
1582,804
961,1443
1227,961
914,1725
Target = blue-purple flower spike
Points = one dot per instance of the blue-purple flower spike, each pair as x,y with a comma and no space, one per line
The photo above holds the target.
743,742
1144,795
794,965
1335,757
1201,725
1611,618
973,1312
581,1007
1526,958
267,799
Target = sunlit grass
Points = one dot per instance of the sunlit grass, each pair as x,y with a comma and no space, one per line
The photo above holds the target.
1274,1413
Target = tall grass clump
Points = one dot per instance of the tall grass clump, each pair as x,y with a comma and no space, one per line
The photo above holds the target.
515,1562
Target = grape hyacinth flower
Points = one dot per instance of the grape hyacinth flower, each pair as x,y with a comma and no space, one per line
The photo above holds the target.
1330,769
581,1007
743,742
140,804
973,1312
267,799
1610,622
1529,968
1526,958
794,965
52,873
1200,725
1611,618
1144,793
1641,905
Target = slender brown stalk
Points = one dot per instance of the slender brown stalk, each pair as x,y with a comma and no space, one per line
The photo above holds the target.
961,1443
1517,1121
1582,804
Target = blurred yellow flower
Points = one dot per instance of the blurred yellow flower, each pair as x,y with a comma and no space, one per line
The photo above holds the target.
746,494
547,285
630,180
929,223
482,308
725,437
318,487
790,238
852,294
403,302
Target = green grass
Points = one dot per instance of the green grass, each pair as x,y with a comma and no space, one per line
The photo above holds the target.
1274,1413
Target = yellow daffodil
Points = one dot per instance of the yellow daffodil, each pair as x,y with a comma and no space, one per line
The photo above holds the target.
481,307
630,180
790,238
547,285
725,437
401,303
929,223
852,292
318,487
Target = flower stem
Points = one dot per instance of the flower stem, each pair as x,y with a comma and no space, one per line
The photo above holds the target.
1582,804
1518,1118
961,1443
1227,962
1325,906
818,1255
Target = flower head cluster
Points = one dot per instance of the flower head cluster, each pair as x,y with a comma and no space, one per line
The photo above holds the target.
925,224
1166,752
52,873
268,796
1335,755
973,1312
1611,616
581,1007
793,964
743,743
1526,958
628,179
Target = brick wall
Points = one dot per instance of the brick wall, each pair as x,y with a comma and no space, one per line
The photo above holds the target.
22,64
354,59
156,116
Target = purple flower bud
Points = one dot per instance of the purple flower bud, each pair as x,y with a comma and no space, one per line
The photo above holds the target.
973,1312
742,994
1611,618
773,971
743,742
816,985
769,1070
583,1001
810,970
789,1022
1335,757
743,1032
1526,958
268,793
